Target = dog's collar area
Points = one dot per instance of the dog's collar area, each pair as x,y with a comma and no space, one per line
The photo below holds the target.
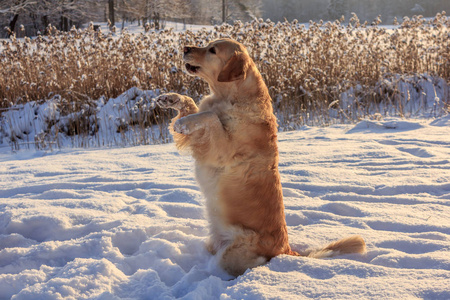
191,68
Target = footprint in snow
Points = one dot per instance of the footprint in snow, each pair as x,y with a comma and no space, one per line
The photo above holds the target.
342,209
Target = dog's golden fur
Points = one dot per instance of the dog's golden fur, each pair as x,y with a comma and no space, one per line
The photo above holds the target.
233,137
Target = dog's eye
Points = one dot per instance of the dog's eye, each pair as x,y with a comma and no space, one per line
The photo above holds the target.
212,50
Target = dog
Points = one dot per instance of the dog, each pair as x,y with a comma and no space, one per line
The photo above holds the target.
232,136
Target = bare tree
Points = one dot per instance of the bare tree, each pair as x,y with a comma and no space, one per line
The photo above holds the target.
111,12
224,11
38,14
336,9
241,10
14,9
250,8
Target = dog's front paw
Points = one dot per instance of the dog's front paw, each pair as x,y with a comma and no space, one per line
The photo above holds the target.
179,127
189,124
170,100
183,126
194,122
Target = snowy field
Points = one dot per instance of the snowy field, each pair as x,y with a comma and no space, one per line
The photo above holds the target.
129,223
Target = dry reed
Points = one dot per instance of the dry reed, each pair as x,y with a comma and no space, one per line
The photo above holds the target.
310,70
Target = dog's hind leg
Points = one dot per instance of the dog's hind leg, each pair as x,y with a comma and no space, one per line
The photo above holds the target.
240,255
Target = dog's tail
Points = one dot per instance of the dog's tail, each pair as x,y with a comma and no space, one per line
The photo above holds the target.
351,244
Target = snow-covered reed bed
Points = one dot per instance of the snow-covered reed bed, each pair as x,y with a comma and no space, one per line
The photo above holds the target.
318,74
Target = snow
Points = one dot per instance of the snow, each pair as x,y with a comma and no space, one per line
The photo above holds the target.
129,223
117,121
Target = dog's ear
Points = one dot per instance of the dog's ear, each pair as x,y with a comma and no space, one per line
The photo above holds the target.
235,68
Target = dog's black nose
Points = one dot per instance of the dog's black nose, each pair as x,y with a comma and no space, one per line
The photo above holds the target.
187,49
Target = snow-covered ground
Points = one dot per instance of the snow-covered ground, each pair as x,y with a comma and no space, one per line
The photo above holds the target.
129,223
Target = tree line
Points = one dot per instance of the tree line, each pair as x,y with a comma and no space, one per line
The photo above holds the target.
366,10
36,15
33,16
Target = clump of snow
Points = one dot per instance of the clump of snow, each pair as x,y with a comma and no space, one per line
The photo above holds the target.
418,96
28,121
129,223
130,119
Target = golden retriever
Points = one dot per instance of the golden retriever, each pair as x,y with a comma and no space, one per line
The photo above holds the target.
232,136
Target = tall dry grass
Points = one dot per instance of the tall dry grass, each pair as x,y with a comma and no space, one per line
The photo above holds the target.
308,69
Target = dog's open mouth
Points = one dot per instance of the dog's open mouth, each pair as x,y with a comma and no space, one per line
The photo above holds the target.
191,69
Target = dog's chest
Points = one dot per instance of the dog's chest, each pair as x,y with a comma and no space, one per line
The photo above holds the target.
208,177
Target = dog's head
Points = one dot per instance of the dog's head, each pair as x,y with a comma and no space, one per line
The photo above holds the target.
223,60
